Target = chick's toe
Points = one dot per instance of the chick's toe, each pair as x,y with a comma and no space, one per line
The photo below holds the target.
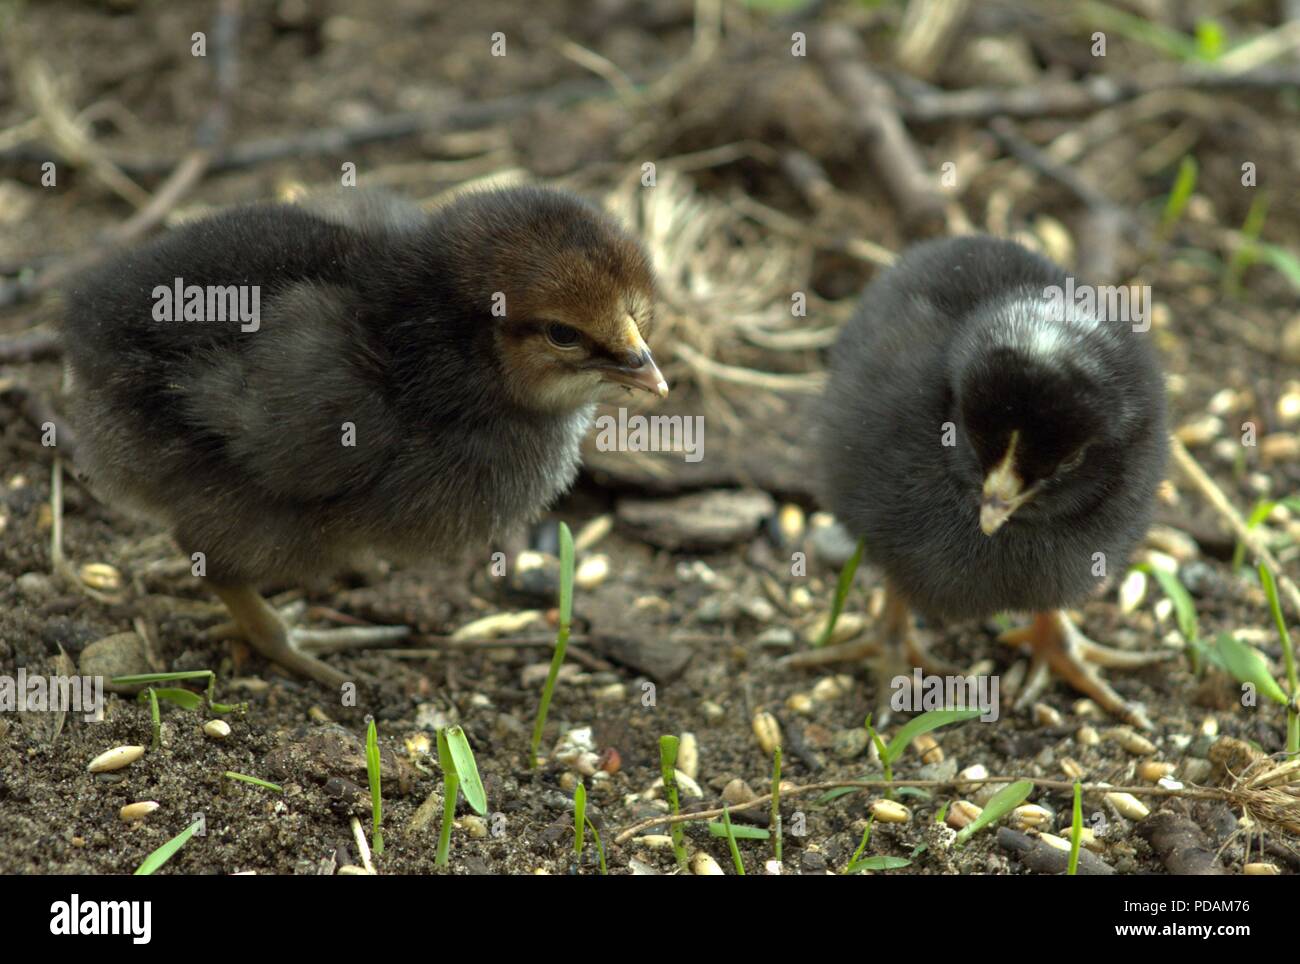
1058,647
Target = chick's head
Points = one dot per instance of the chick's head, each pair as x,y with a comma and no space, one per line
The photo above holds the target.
571,296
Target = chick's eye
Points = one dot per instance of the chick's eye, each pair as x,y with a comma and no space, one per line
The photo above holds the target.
563,336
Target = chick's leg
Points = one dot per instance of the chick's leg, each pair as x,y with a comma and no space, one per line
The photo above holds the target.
268,633
1057,646
897,641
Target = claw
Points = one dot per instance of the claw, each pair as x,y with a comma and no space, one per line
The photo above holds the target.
1059,647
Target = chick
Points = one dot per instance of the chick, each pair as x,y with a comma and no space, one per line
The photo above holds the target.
996,448
409,383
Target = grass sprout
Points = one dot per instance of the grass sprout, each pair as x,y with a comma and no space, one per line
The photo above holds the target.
668,766
168,850
1076,830
561,639
841,593
459,775
376,797
1003,802
730,834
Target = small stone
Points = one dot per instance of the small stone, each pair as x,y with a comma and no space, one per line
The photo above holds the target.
536,574
737,792
122,654
34,585
850,743
716,519
829,541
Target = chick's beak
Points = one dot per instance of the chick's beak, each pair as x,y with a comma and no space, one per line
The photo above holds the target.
638,369
1003,493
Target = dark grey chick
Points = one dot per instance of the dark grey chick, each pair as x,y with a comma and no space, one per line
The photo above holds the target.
996,448
412,383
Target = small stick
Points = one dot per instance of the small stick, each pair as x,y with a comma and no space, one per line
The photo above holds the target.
1220,503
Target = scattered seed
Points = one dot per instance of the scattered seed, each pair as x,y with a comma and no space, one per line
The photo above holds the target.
688,755
217,729
1132,591
655,841
713,712
848,626
962,813
1030,816
1127,805
593,532
1086,709
927,747
767,730
1263,869
1045,715
499,624
101,576
1131,740
1153,771
702,865
890,811
1071,768
799,703
591,572
1058,843
831,688
977,771
138,811
1087,736
115,758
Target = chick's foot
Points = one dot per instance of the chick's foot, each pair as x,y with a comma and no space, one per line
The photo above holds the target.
1058,646
271,634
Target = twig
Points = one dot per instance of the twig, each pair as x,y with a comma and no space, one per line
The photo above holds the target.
1056,99
875,120
1250,538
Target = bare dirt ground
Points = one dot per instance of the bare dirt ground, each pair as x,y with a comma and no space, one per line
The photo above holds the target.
770,180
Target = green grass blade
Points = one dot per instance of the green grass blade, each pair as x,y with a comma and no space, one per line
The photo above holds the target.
1003,802
730,833
1179,195
245,778
930,720
579,817
1076,830
471,784
1248,666
561,641
167,850
718,829
373,771
842,587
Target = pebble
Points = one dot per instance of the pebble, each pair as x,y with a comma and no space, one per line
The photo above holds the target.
737,792
776,637
122,654
715,519
217,729
829,541
850,743
115,759
34,585
976,771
